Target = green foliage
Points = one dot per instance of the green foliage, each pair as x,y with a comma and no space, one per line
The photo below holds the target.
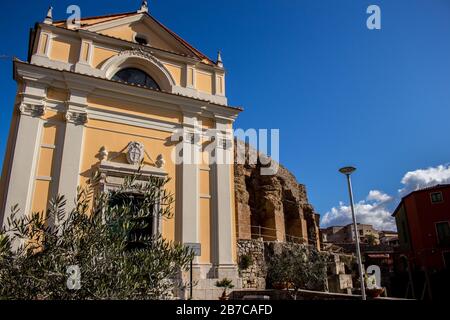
225,283
245,262
296,267
371,240
100,236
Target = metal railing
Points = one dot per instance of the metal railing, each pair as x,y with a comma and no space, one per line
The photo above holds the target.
270,234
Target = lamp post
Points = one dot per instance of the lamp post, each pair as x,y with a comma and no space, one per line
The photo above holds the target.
348,171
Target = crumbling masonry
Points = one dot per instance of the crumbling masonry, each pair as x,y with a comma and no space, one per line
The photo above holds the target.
272,207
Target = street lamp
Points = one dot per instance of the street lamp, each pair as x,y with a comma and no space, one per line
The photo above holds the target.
348,171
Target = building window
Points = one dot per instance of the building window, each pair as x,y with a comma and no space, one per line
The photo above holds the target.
436,197
142,40
446,256
443,233
142,221
136,76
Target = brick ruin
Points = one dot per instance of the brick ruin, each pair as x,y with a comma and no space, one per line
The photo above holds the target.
272,207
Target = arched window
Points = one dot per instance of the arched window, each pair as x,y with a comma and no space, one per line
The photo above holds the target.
136,76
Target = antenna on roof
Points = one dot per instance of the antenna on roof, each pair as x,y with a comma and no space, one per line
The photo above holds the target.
219,59
144,7
49,18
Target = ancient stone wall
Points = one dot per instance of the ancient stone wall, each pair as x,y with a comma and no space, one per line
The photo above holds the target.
274,207
253,274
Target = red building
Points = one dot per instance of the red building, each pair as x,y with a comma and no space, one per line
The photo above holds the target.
423,224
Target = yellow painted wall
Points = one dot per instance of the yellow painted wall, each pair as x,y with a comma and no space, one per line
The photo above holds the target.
41,196
115,137
205,230
205,203
155,40
175,72
204,181
203,82
47,160
57,94
122,32
207,123
100,55
65,50
135,109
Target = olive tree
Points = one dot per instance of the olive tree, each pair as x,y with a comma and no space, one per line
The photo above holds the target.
294,266
98,250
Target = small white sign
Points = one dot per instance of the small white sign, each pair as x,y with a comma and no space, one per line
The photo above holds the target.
195,247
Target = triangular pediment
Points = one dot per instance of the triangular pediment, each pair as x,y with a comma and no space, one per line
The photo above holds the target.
143,25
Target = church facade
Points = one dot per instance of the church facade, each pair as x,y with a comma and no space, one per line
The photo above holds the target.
109,93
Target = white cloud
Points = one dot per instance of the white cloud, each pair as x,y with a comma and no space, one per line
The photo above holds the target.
376,208
422,178
379,196
373,210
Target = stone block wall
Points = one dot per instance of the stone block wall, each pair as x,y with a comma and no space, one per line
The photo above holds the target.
254,276
259,251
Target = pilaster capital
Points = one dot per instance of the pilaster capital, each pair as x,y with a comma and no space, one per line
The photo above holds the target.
76,117
32,110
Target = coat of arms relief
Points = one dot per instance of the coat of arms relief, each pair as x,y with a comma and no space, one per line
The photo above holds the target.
135,152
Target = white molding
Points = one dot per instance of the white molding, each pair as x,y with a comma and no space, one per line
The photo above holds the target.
125,92
123,118
45,61
123,169
115,23
47,45
44,178
48,146
108,47
121,44
143,60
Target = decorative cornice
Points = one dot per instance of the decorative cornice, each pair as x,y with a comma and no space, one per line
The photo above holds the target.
32,110
141,53
107,88
75,117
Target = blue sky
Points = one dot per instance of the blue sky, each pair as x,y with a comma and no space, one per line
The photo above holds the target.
339,93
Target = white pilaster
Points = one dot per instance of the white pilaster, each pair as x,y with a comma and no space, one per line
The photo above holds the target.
23,164
223,211
84,63
76,117
190,182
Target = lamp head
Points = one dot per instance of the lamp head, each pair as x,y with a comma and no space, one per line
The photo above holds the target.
347,170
